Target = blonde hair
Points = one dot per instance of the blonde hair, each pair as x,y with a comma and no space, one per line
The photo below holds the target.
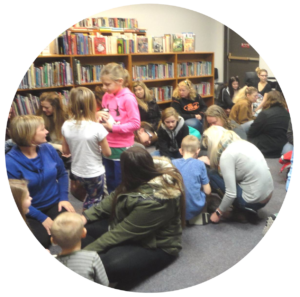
19,191
166,113
243,92
216,139
82,104
189,86
259,71
190,144
147,95
116,72
23,129
274,98
67,229
55,122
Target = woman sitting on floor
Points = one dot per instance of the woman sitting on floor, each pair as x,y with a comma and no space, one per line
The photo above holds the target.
146,217
269,130
36,161
247,181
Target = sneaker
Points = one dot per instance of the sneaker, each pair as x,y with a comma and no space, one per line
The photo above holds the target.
269,223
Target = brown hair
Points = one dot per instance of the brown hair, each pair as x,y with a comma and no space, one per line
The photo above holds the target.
274,98
116,72
147,96
147,126
99,93
166,113
82,104
53,123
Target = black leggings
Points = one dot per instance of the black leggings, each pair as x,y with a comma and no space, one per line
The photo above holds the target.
127,263
37,227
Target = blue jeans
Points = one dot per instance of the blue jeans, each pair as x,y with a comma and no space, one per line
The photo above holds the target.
246,126
287,148
196,124
217,182
113,174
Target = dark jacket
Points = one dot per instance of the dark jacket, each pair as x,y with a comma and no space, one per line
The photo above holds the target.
149,216
170,141
152,116
224,99
188,108
269,131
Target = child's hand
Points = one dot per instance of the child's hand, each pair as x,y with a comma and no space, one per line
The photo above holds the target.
102,116
205,160
198,117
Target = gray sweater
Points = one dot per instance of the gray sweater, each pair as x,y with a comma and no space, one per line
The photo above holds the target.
242,163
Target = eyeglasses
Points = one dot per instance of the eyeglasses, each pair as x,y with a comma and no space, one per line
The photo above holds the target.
150,135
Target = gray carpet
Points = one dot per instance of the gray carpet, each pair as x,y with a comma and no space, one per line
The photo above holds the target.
209,250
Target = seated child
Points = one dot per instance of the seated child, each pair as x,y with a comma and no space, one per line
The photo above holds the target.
67,230
194,176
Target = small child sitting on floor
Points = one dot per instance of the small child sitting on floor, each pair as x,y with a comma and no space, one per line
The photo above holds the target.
194,176
67,230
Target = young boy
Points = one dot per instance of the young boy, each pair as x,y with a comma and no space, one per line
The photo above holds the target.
194,176
67,230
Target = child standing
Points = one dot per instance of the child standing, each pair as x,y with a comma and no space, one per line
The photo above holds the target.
194,176
171,131
67,231
82,136
123,108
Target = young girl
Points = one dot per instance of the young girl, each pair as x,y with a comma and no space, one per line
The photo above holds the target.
123,110
148,107
227,93
171,130
82,136
145,134
21,195
189,104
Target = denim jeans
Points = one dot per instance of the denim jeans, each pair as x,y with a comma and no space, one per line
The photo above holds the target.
195,123
246,126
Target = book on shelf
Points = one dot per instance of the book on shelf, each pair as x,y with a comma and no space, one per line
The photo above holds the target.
107,22
142,44
189,42
153,71
203,88
162,93
168,41
100,45
177,45
158,44
194,68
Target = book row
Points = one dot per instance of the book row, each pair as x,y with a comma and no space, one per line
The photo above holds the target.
162,93
203,88
29,104
194,68
88,73
48,75
153,71
108,22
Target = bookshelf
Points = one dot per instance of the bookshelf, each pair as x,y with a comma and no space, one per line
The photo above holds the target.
130,61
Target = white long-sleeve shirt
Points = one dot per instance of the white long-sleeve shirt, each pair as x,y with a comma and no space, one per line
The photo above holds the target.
243,164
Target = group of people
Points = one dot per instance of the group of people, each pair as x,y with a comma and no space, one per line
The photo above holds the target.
135,204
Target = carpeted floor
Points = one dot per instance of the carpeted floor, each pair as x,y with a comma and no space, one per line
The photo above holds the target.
209,250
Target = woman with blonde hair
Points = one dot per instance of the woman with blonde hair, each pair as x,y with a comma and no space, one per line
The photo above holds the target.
189,105
247,181
85,139
242,111
269,130
35,160
149,110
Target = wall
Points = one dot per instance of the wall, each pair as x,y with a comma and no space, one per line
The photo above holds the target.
161,19
263,65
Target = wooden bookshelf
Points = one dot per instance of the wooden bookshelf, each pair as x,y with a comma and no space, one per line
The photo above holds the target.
131,60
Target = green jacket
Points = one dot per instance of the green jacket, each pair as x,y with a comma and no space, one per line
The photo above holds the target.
149,216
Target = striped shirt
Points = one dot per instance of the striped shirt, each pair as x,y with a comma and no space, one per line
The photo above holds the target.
87,264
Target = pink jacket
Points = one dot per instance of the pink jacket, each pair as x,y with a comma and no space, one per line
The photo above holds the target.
124,109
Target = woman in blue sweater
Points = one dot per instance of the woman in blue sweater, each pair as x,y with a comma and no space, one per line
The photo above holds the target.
36,161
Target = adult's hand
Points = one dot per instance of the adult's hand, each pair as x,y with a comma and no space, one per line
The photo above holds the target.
47,224
205,159
198,117
215,218
66,205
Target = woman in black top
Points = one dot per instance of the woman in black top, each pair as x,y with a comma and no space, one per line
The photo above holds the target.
149,110
189,104
269,130
227,93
